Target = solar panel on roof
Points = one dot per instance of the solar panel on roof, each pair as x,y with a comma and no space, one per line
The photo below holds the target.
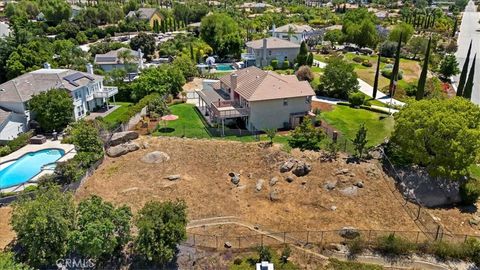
76,76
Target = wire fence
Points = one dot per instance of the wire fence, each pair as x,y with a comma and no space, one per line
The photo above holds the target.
319,239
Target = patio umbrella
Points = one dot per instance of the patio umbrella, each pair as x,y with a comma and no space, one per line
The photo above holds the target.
168,117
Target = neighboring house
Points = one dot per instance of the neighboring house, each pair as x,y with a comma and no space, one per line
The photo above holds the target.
75,11
292,32
148,14
254,7
86,89
261,52
262,99
123,58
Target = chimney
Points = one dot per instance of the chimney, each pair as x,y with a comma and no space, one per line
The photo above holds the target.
90,68
233,84
264,53
47,66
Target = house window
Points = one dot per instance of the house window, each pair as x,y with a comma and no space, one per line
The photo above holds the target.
285,102
269,52
79,111
308,100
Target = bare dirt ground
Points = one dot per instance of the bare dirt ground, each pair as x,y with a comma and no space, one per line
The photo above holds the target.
456,220
206,187
6,233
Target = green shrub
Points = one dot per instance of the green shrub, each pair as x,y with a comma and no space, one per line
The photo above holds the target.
264,254
446,251
336,264
394,245
286,64
267,68
356,99
274,64
387,73
358,59
367,63
237,261
470,191
16,144
5,150
356,246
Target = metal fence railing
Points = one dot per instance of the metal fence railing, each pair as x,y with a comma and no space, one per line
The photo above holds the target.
304,238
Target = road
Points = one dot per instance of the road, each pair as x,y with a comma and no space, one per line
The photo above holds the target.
470,30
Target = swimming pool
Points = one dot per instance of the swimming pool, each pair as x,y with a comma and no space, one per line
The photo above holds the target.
224,67
27,166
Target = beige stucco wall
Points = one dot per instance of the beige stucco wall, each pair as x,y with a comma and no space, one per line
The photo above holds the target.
273,114
155,17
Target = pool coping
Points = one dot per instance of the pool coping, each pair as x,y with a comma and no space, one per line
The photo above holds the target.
69,152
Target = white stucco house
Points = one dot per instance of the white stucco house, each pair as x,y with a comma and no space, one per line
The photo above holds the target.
262,99
292,32
261,52
115,60
86,89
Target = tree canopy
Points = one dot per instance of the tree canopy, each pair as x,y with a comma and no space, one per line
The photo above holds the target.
338,79
53,109
429,131
165,79
222,33
145,42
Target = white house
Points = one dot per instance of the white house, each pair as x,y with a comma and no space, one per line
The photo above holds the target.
86,89
292,32
114,60
262,99
261,52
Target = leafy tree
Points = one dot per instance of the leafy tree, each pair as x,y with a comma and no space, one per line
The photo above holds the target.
334,36
222,33
387,48
85,137
417,45
271,133
377,75
42,225
161,226
467,93
310,59
53,109
302,54
264,254
396,67
7,261
463,75
449,66
306,136
338,79
186,65
423,74
165,79
403,31
428,131
158,106
360,140
101,228
145,42
366,35
56,11
304,73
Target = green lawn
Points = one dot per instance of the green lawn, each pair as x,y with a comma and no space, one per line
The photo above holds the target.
190,124
116,115
347,120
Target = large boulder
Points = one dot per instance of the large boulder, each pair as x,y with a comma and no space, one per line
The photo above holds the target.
122,149
123,137
302,168
155,157
349,232
287,166
234,178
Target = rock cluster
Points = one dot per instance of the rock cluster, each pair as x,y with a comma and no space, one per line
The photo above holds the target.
297,167
123,137
122,149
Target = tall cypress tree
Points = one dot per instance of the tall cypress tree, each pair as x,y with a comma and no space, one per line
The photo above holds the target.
455,25
463,75
396,67
377,74
423,75
469,85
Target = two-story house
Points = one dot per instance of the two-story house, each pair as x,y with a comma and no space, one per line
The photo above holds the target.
292,32
261,52
151,15
86,89
124,58
262,99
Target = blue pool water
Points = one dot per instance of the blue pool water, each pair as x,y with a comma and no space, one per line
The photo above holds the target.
224,67
27,166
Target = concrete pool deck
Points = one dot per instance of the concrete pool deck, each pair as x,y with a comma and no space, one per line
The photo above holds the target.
69,149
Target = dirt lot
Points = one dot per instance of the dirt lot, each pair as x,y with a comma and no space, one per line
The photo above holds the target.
205,186
6,234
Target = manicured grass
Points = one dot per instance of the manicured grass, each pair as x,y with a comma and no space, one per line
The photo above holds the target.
347,120
474,170
190,124
116,115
